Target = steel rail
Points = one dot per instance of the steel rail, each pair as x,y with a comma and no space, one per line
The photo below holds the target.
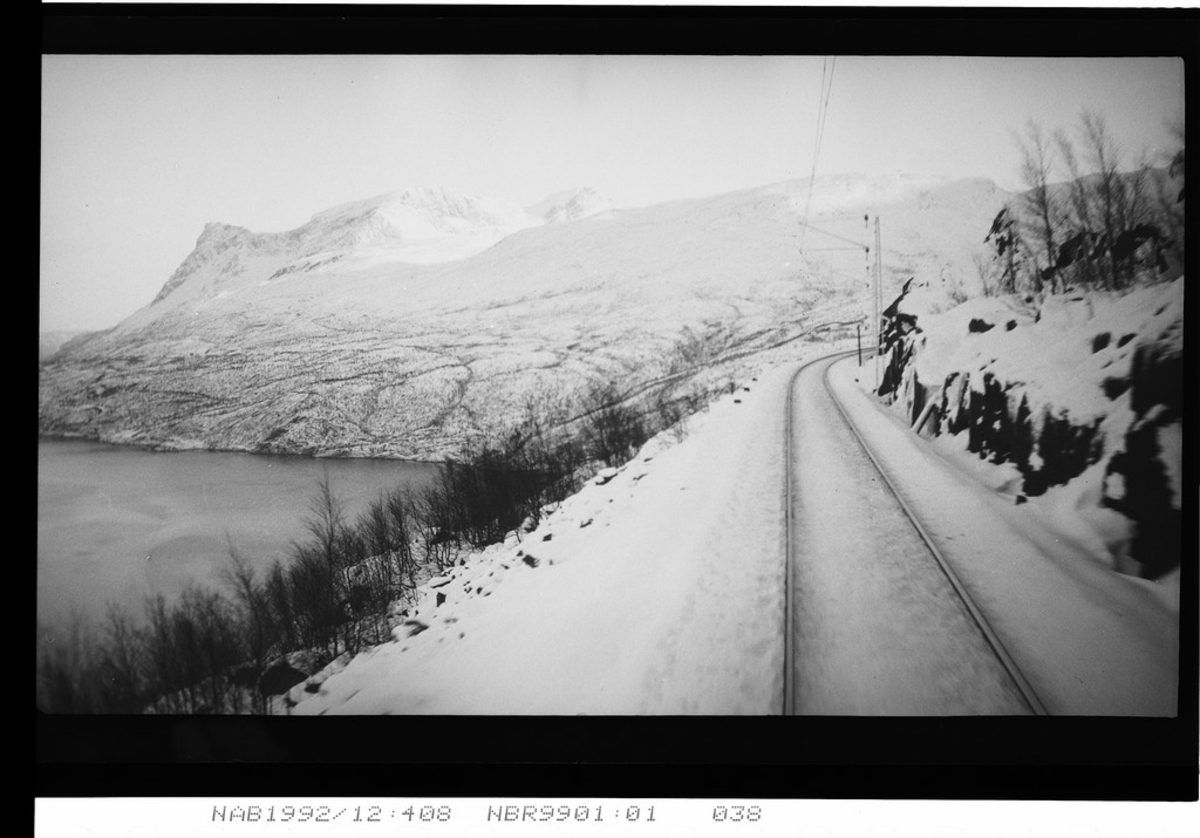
789,663
1023,686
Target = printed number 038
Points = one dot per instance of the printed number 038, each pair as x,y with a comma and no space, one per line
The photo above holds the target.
737,813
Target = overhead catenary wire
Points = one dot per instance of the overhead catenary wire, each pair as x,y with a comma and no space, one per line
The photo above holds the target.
822,107
834,235
826,90
824,113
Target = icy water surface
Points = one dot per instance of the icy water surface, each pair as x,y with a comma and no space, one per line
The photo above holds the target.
119,524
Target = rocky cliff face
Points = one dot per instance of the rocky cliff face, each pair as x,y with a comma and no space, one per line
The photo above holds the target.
1069,390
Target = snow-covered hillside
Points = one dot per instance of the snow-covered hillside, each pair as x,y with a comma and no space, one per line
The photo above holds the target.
353,335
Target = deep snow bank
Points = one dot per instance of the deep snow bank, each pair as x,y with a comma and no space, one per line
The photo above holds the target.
1072,403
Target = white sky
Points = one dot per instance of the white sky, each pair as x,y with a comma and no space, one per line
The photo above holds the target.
139,152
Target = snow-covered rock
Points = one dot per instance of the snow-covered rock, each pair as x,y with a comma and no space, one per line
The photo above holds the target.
604,475
583,203
1075,400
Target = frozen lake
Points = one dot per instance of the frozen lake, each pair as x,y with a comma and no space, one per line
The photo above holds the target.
118,524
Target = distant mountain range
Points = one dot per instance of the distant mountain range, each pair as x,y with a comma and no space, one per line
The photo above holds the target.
409,323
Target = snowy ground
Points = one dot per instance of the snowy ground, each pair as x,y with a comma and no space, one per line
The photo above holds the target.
1089,640
660,591
879,630
657,592
1059,355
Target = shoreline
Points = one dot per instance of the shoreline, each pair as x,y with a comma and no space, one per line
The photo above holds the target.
181,448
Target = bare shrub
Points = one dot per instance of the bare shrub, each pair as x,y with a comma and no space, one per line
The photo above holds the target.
612,429
66,670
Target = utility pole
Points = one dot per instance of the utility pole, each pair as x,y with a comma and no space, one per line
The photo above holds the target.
878,301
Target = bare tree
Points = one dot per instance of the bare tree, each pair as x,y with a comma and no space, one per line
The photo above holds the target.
164,663
121,681
65,669
258,629
327,523
1169,195
1078,212
1103,157
1036,164
1137,193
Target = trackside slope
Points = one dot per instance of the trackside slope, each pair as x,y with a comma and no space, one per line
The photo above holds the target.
656,591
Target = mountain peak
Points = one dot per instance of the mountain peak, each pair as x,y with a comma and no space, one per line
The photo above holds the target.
416,213
570,205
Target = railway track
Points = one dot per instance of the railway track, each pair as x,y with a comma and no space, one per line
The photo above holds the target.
1030,698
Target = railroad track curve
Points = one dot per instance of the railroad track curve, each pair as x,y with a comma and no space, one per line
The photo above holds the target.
790,691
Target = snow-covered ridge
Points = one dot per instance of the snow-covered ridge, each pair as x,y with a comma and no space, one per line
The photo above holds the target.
425,225
420,213
830,193
583,203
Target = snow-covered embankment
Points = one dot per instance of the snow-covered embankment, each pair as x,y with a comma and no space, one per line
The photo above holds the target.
1072,404
1057,428
655,590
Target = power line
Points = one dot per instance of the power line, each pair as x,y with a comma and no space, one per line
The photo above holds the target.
835,235
816,142
822,111
824,115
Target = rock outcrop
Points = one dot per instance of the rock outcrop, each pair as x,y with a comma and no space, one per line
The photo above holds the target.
1056,387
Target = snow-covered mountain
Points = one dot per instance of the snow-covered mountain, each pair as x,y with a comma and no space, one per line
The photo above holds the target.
571,205
404,324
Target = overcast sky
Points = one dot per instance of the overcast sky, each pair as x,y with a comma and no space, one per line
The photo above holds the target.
139,152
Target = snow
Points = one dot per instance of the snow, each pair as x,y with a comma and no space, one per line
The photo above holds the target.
659,591
1170,440
879,629
1051,359
1090,640
432,336
659,587
572,205
1058,354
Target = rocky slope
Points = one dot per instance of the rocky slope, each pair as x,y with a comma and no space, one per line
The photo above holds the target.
406,324
1071,403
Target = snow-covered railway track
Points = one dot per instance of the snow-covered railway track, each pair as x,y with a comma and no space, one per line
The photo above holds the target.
877,623
1022,684
789,611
